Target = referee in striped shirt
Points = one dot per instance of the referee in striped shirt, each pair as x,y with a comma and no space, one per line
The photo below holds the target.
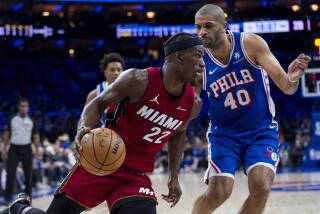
17,147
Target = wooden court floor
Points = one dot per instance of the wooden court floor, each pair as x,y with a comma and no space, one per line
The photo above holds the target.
293,193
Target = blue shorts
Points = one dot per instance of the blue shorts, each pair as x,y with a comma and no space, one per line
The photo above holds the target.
228,148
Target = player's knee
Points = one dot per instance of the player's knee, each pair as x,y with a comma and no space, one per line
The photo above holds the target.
219,195
260,182
220,190
260,189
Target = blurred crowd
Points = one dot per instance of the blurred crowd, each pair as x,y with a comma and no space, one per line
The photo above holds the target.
49,168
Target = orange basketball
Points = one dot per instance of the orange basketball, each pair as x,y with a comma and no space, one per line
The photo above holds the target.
103,151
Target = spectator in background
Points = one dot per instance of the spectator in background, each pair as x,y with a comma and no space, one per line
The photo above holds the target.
297,150
161,162
283,152
187,161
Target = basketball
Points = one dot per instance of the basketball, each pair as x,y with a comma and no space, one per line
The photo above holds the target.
103,151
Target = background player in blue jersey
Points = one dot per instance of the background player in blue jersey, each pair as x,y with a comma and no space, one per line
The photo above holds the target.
241,110
111,66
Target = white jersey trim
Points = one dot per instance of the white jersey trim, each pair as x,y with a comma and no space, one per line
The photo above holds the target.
273,168
210,172
265,80
104,85
213,169
245,53
204,80
231,53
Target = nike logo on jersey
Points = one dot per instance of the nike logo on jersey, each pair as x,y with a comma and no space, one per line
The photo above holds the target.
181,109
159,118
230,81
155,99
273,126
212,71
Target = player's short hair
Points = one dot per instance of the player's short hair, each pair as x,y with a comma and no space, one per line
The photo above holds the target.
110,57
22,100
214,11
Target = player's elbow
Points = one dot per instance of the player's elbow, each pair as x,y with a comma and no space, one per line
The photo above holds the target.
91,96
289,90
290,93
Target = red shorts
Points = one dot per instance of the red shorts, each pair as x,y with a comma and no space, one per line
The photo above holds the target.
90,190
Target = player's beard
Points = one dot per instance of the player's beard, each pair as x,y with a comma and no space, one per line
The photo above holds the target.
216,40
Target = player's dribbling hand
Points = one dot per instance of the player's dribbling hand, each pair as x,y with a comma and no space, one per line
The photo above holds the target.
174,192
78,148
297,67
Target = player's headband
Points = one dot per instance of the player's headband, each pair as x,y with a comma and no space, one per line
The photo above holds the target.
182,45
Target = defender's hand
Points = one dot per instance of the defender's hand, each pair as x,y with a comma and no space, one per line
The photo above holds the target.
174,192
78,148
298,67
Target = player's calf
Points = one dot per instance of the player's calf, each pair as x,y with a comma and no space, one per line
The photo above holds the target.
260,181
219,190
260,192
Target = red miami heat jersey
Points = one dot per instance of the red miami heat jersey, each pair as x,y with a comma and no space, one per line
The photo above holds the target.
145,126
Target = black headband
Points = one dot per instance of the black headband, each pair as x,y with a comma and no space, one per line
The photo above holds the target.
182,45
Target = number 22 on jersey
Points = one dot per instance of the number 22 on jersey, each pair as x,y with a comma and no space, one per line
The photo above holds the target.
156,135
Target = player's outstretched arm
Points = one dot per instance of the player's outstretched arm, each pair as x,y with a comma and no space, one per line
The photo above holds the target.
259,52
175,151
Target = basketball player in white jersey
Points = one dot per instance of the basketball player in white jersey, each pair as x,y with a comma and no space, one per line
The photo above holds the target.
111,66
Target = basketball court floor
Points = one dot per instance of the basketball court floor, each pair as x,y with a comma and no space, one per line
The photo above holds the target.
292,193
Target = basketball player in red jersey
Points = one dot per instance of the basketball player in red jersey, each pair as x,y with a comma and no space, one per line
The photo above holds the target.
158,105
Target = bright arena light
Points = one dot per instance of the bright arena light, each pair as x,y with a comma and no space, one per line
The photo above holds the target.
314,7
150,14
71,51
45,13
295,8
